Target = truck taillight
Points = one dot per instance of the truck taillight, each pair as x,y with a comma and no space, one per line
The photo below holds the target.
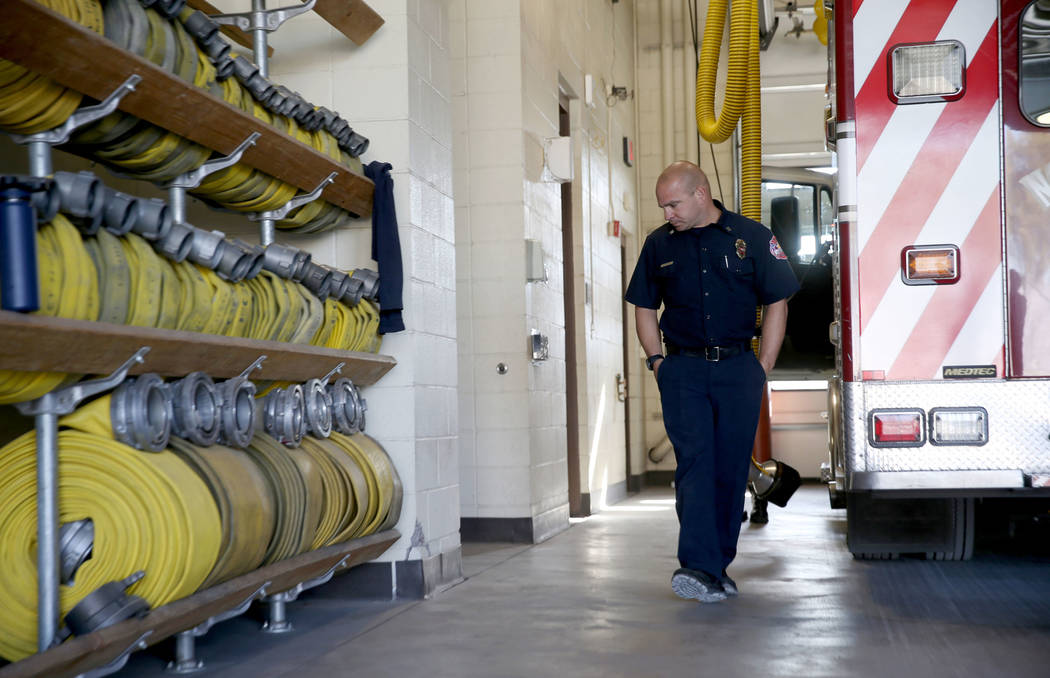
958,426
896,428
930,264
927,72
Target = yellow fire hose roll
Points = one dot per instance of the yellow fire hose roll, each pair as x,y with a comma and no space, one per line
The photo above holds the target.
245,502
68,289
377,475
31,103
290,493
358,497
315,496
150,511
338,493
114,276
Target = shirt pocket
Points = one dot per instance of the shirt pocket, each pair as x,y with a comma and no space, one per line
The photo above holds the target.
742,268
667,279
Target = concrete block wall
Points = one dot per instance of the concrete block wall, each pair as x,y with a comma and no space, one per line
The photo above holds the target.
512,63
396,90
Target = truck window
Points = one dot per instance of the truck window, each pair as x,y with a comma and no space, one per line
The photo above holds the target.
810,226
1034,73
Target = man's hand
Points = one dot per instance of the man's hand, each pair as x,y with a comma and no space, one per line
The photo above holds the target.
656,366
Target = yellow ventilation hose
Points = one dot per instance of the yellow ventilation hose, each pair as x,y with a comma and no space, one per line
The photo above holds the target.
741,102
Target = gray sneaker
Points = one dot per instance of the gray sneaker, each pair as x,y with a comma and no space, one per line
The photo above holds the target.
728,585
696,585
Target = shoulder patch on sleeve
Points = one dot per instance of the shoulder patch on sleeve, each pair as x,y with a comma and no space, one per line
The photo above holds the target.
774,249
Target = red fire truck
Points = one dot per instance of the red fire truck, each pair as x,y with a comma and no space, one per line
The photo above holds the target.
939,112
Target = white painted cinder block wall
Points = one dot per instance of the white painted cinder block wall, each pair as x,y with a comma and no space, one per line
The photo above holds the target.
645,398
509,58
395,90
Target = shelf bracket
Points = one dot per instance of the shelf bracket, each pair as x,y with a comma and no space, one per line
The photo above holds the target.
259,22
40,143
277,622
178,186
268,219
46,409
121,659
185,642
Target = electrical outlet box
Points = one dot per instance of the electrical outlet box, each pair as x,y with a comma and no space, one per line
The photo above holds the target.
539,346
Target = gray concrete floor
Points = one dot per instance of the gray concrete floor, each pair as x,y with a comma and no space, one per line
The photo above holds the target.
596,601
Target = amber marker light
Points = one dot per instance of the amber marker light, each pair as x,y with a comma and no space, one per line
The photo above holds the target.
930,265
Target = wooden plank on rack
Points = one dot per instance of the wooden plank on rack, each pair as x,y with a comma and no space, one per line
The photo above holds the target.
353,18
43,41
41,343
99,648
231,32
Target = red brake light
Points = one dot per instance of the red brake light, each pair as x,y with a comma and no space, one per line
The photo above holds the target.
897,427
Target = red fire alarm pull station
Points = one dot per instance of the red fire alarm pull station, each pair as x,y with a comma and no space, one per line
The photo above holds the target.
614,228
628,152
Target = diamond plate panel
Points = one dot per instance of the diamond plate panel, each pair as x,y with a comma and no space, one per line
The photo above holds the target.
1018,425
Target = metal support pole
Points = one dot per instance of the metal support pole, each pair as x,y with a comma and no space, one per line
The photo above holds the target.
259,39
185,654
177,203
40,159
267,231
47,524
277,622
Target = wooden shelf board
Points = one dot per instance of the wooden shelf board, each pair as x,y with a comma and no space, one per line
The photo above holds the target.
353,18
99,648
82,60
41,343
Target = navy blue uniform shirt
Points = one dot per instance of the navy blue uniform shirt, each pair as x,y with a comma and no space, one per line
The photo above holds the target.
710,279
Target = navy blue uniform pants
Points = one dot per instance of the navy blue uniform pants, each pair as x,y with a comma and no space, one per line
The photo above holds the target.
710,413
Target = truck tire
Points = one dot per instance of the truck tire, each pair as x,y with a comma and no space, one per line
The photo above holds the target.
880,528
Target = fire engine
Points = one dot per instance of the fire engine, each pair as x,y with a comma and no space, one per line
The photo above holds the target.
939,113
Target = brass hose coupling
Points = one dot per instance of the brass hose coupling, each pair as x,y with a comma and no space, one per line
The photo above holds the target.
195,407
141,413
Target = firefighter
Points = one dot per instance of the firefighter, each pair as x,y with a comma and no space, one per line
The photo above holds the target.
709,267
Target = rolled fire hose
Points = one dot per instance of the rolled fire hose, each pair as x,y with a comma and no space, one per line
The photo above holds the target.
291,531
150,512
245,502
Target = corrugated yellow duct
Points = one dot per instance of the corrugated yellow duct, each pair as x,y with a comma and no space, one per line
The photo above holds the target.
741,101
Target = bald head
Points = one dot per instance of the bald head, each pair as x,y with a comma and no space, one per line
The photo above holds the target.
688,176
684,194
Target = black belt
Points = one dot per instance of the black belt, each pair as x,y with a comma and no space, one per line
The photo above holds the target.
712,353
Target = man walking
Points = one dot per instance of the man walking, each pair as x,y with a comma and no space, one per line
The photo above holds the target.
709,268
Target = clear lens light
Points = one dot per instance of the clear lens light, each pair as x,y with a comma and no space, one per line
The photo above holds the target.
961,426
928,70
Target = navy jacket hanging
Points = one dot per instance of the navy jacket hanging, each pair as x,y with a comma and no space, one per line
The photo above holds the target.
386,248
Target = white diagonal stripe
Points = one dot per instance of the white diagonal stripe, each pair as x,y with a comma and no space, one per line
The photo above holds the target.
968,23
889,161
872,27
968,190
950,222
983,333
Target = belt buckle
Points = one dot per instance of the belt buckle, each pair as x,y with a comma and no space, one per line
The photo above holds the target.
717,353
